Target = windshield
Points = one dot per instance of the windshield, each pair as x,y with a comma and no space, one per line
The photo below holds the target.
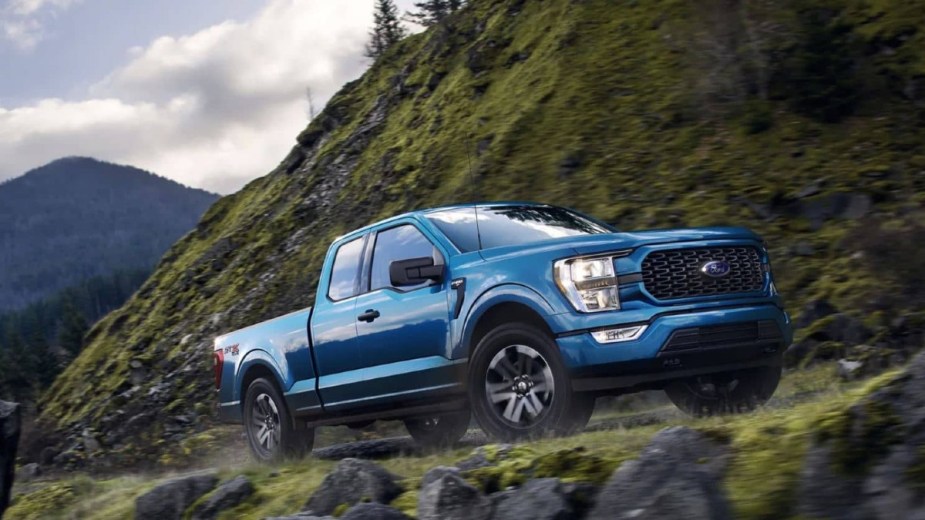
511,225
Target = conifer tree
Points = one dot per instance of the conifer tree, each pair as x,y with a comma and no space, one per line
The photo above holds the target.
386,31
432,12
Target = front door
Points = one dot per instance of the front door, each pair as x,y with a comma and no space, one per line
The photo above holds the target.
403,333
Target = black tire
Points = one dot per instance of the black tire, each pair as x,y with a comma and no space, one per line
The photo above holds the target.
271,433
735,392
439,431
528,360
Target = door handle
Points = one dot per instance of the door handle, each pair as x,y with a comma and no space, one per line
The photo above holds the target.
369,315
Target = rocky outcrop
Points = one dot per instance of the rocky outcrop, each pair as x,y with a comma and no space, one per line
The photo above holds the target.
678,475
171,499
353,481
450,497
227,496
868,462
538,499
10,422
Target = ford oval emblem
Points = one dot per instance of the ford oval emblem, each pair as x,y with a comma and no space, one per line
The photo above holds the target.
716,268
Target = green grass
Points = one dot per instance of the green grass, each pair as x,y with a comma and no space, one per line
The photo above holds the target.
612,85
767,449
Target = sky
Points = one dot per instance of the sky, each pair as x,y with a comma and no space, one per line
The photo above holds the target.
210,93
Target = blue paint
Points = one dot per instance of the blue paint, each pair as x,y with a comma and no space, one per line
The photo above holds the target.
325,360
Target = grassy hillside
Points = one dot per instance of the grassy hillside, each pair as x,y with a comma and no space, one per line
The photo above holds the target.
803,121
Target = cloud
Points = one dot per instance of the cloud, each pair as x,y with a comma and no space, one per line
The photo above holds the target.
213,109
22,21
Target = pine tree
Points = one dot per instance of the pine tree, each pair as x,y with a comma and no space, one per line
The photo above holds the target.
387,30
432,12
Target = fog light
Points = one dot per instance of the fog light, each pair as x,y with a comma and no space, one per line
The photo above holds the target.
619,335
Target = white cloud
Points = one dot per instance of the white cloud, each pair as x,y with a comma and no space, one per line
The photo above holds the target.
211,109
21,21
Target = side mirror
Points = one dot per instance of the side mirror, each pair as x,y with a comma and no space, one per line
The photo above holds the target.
415,271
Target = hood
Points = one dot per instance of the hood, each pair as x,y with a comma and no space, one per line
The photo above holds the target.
605,242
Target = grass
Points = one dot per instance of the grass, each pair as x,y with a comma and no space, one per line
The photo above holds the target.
607,86
767,448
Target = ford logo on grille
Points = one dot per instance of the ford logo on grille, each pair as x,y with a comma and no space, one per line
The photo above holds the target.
716,268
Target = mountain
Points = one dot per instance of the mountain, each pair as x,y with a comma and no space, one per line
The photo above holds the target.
77,218
802,120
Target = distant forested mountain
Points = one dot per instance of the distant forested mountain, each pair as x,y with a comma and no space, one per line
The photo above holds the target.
78,218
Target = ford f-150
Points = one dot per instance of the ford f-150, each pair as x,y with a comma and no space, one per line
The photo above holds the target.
517,314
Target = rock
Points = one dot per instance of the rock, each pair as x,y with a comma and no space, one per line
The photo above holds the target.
351,482
849,370
480,459
10,423
371,449
804,249
678,475
843,328
30,471
227,496
825,492
452,498
814,310
435,474
171,499
538,499
374,512
47,455
869,462
90,442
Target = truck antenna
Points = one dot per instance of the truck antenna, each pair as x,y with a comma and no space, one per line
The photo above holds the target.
478,231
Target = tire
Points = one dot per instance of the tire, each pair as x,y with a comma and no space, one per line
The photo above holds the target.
438,431
735,392
520,389
269,428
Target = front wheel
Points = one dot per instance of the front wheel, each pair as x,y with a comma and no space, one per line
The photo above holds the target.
271,434
438,431
520,389
726,393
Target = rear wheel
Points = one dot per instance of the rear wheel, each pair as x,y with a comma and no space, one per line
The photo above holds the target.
519,388
734,392
271,434
438,431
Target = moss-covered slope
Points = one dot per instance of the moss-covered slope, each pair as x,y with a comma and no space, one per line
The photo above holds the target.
798,121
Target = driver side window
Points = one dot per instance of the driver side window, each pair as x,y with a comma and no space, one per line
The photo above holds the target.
399,243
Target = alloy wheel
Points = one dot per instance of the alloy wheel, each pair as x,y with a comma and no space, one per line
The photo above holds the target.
519,385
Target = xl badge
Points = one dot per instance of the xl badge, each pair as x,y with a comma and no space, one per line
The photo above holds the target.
716,269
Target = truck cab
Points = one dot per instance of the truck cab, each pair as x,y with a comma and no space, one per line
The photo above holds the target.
518,314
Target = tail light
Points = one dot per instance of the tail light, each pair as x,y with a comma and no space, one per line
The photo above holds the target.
218,359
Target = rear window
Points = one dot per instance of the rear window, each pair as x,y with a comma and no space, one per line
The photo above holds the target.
511,225
346,270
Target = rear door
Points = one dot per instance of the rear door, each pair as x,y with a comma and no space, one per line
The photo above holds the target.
406,345
333,326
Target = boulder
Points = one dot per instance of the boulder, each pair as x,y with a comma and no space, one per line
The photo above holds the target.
227,496
371,511
849,370
29,471
435,474
538,499
678,475
10,423
452,498
369,449
353,481
868,463
171,499
814,310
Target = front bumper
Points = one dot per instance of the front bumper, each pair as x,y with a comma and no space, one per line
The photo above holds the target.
677,346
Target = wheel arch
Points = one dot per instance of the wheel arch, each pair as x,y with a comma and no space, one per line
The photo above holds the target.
507,304
255,365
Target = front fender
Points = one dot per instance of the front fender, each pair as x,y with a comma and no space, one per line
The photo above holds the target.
258,357
505,293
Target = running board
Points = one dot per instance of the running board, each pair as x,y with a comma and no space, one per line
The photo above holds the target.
453,405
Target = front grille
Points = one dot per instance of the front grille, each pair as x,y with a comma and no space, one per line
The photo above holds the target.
677,273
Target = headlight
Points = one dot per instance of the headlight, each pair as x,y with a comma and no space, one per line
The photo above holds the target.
590,284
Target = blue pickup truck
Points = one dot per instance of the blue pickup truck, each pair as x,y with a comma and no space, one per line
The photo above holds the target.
517,314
